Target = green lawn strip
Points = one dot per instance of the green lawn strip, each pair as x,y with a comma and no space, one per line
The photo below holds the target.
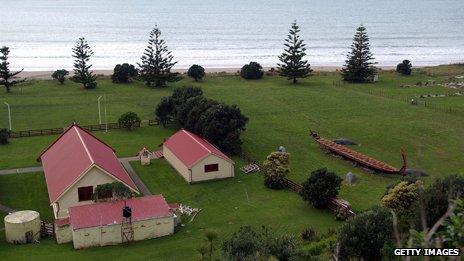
26,192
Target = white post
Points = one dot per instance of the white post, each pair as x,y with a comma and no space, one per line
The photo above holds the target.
106,119
99,111
9,113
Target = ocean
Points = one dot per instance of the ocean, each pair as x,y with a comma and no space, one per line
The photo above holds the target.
228,34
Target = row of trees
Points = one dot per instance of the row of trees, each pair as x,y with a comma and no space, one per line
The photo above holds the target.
217,122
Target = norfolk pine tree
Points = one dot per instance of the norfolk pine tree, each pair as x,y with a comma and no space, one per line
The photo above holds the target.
292,64
157,62
7,78
82,74
359,66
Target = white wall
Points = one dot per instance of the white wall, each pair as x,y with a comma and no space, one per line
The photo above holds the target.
176,163
225,170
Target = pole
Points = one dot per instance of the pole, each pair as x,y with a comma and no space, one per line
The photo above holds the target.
106,119
99,111
9,113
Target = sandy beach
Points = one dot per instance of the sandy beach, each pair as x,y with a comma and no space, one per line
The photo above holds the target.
47,74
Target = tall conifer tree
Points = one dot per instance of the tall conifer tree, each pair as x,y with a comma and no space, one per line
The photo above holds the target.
157,62
359,66
82,74
292,64
7,78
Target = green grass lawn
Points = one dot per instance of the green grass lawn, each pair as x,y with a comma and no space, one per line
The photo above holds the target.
280,114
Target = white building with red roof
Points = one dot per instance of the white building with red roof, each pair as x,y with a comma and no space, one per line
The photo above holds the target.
195,158
74,165
103,223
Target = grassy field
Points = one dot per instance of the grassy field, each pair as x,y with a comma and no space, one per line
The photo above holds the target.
280,114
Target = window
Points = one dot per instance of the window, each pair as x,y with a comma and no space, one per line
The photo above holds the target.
85,193
211,167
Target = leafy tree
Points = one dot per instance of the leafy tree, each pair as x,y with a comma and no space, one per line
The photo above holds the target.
292,64
453,233
251,71
320,187
243,245
365,235
402,196
222,125
123,73
157,62
7,78
164,110
129,120
60,75
359,66
82,74
4,136
276,169
196,72
250,244
113,191
405,68
181,95
438,196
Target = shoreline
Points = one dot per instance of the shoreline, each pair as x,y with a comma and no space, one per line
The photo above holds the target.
44,75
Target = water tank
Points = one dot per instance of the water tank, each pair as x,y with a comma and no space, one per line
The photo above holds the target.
126,212
22,227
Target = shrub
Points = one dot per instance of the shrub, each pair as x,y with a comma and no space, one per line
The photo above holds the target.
439,194
129,120
113,191
4,136
243,244
123,73
405,68
402,196
364,236
60,75
276,169
164,110
196,72
251,71
320,186
308,234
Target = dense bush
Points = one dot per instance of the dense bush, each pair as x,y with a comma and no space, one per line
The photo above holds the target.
196,72
320,186
437,196
218,123
129,120
4,136
60,75
250,244
251,71
364,236
405,68
163,111
276,169
124,73
402,196
113,191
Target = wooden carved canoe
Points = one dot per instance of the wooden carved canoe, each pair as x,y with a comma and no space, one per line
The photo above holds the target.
358,157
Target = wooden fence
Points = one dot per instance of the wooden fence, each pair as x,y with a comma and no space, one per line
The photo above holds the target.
335,204
94,127
47,229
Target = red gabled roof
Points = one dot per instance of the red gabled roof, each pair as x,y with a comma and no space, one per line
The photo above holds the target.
190,148
74,152
108,213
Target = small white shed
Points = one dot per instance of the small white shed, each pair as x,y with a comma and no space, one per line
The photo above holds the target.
195,158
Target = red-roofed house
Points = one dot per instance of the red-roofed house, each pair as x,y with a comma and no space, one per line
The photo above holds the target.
74,165
195,158
102,224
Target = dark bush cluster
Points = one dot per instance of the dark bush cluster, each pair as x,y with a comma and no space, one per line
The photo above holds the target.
219,123
196,72
60,75
124,73
320,187
405,68
4,136
252,71
129,120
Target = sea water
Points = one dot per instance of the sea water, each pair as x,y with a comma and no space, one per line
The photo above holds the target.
228,34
